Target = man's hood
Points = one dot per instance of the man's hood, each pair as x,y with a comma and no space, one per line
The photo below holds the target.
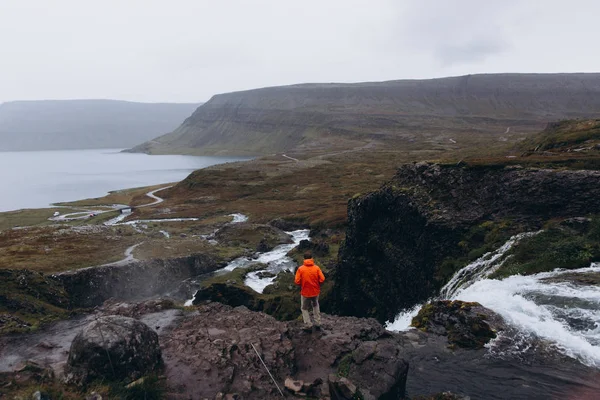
309,262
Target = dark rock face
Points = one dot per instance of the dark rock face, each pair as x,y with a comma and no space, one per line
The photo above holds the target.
231,295
398,236
90,287
213,352
115,348
467,325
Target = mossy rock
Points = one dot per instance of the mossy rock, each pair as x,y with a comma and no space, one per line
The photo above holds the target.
28,299
466,325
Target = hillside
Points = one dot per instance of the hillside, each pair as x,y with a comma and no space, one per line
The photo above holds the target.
573,136
85,124
313,117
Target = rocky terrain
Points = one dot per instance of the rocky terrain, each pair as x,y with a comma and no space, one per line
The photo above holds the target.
212,351
85,124
403,239
317,117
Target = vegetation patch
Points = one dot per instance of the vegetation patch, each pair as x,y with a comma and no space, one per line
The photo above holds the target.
558,246
61,248
476,242
29,299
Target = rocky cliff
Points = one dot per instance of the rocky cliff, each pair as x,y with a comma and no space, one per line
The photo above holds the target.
90,287
312,116
402,240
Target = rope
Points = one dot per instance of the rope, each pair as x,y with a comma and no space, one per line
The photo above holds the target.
269,372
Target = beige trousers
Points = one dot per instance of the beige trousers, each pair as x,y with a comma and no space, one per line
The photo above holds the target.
310,302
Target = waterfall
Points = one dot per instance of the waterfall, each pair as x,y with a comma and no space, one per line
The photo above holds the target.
481,268
538,306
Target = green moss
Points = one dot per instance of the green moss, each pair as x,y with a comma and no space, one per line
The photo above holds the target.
29,300
344,365
464,328
475,242
556,247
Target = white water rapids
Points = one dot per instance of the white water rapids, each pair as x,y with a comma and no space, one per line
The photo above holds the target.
276,261
562,313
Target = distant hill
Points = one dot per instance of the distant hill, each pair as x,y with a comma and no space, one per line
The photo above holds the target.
85,124
310,117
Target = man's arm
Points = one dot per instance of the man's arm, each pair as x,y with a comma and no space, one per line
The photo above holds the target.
298,279
321,276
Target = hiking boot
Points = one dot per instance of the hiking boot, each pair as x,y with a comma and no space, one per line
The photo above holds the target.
318,328
307,329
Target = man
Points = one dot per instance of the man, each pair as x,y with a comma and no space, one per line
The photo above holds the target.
310,277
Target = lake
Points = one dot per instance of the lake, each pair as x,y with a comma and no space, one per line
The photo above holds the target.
35,179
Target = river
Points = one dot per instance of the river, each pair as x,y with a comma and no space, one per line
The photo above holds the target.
35,179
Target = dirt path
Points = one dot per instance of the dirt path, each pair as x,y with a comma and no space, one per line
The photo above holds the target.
86,213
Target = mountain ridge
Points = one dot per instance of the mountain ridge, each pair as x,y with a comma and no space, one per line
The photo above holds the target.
306,117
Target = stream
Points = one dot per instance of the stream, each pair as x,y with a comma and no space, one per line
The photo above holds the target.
276,261
564,314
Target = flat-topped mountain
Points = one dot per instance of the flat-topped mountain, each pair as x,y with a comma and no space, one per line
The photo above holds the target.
310,117
85,124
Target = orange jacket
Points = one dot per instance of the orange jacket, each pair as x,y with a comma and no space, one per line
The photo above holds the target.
310,277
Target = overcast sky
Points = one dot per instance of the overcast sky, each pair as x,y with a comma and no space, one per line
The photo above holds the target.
188,50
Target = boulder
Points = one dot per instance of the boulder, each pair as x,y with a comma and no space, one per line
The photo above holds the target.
293,385
467,325
114,348
341,388
318,248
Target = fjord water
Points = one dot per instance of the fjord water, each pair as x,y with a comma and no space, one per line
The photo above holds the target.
34,179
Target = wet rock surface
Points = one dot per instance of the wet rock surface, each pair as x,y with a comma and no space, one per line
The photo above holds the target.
213,353
212,343
582,279
398,236
114,348
138,280
467,325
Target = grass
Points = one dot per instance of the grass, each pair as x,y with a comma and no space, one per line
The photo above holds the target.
61,248
555,247
564,136
125,196
30,217
28,300
25,385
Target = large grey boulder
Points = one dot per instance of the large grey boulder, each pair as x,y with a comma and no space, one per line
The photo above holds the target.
113,347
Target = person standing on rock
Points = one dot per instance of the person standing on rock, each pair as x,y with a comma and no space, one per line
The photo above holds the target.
310,277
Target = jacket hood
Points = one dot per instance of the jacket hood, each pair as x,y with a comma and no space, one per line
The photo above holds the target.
309,262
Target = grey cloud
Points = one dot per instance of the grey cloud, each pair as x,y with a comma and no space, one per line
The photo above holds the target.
188,50
471,51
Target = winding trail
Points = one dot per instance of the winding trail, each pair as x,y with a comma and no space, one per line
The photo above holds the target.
128,256
291,158
86,213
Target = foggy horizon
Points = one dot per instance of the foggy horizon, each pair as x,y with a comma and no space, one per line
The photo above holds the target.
188,51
